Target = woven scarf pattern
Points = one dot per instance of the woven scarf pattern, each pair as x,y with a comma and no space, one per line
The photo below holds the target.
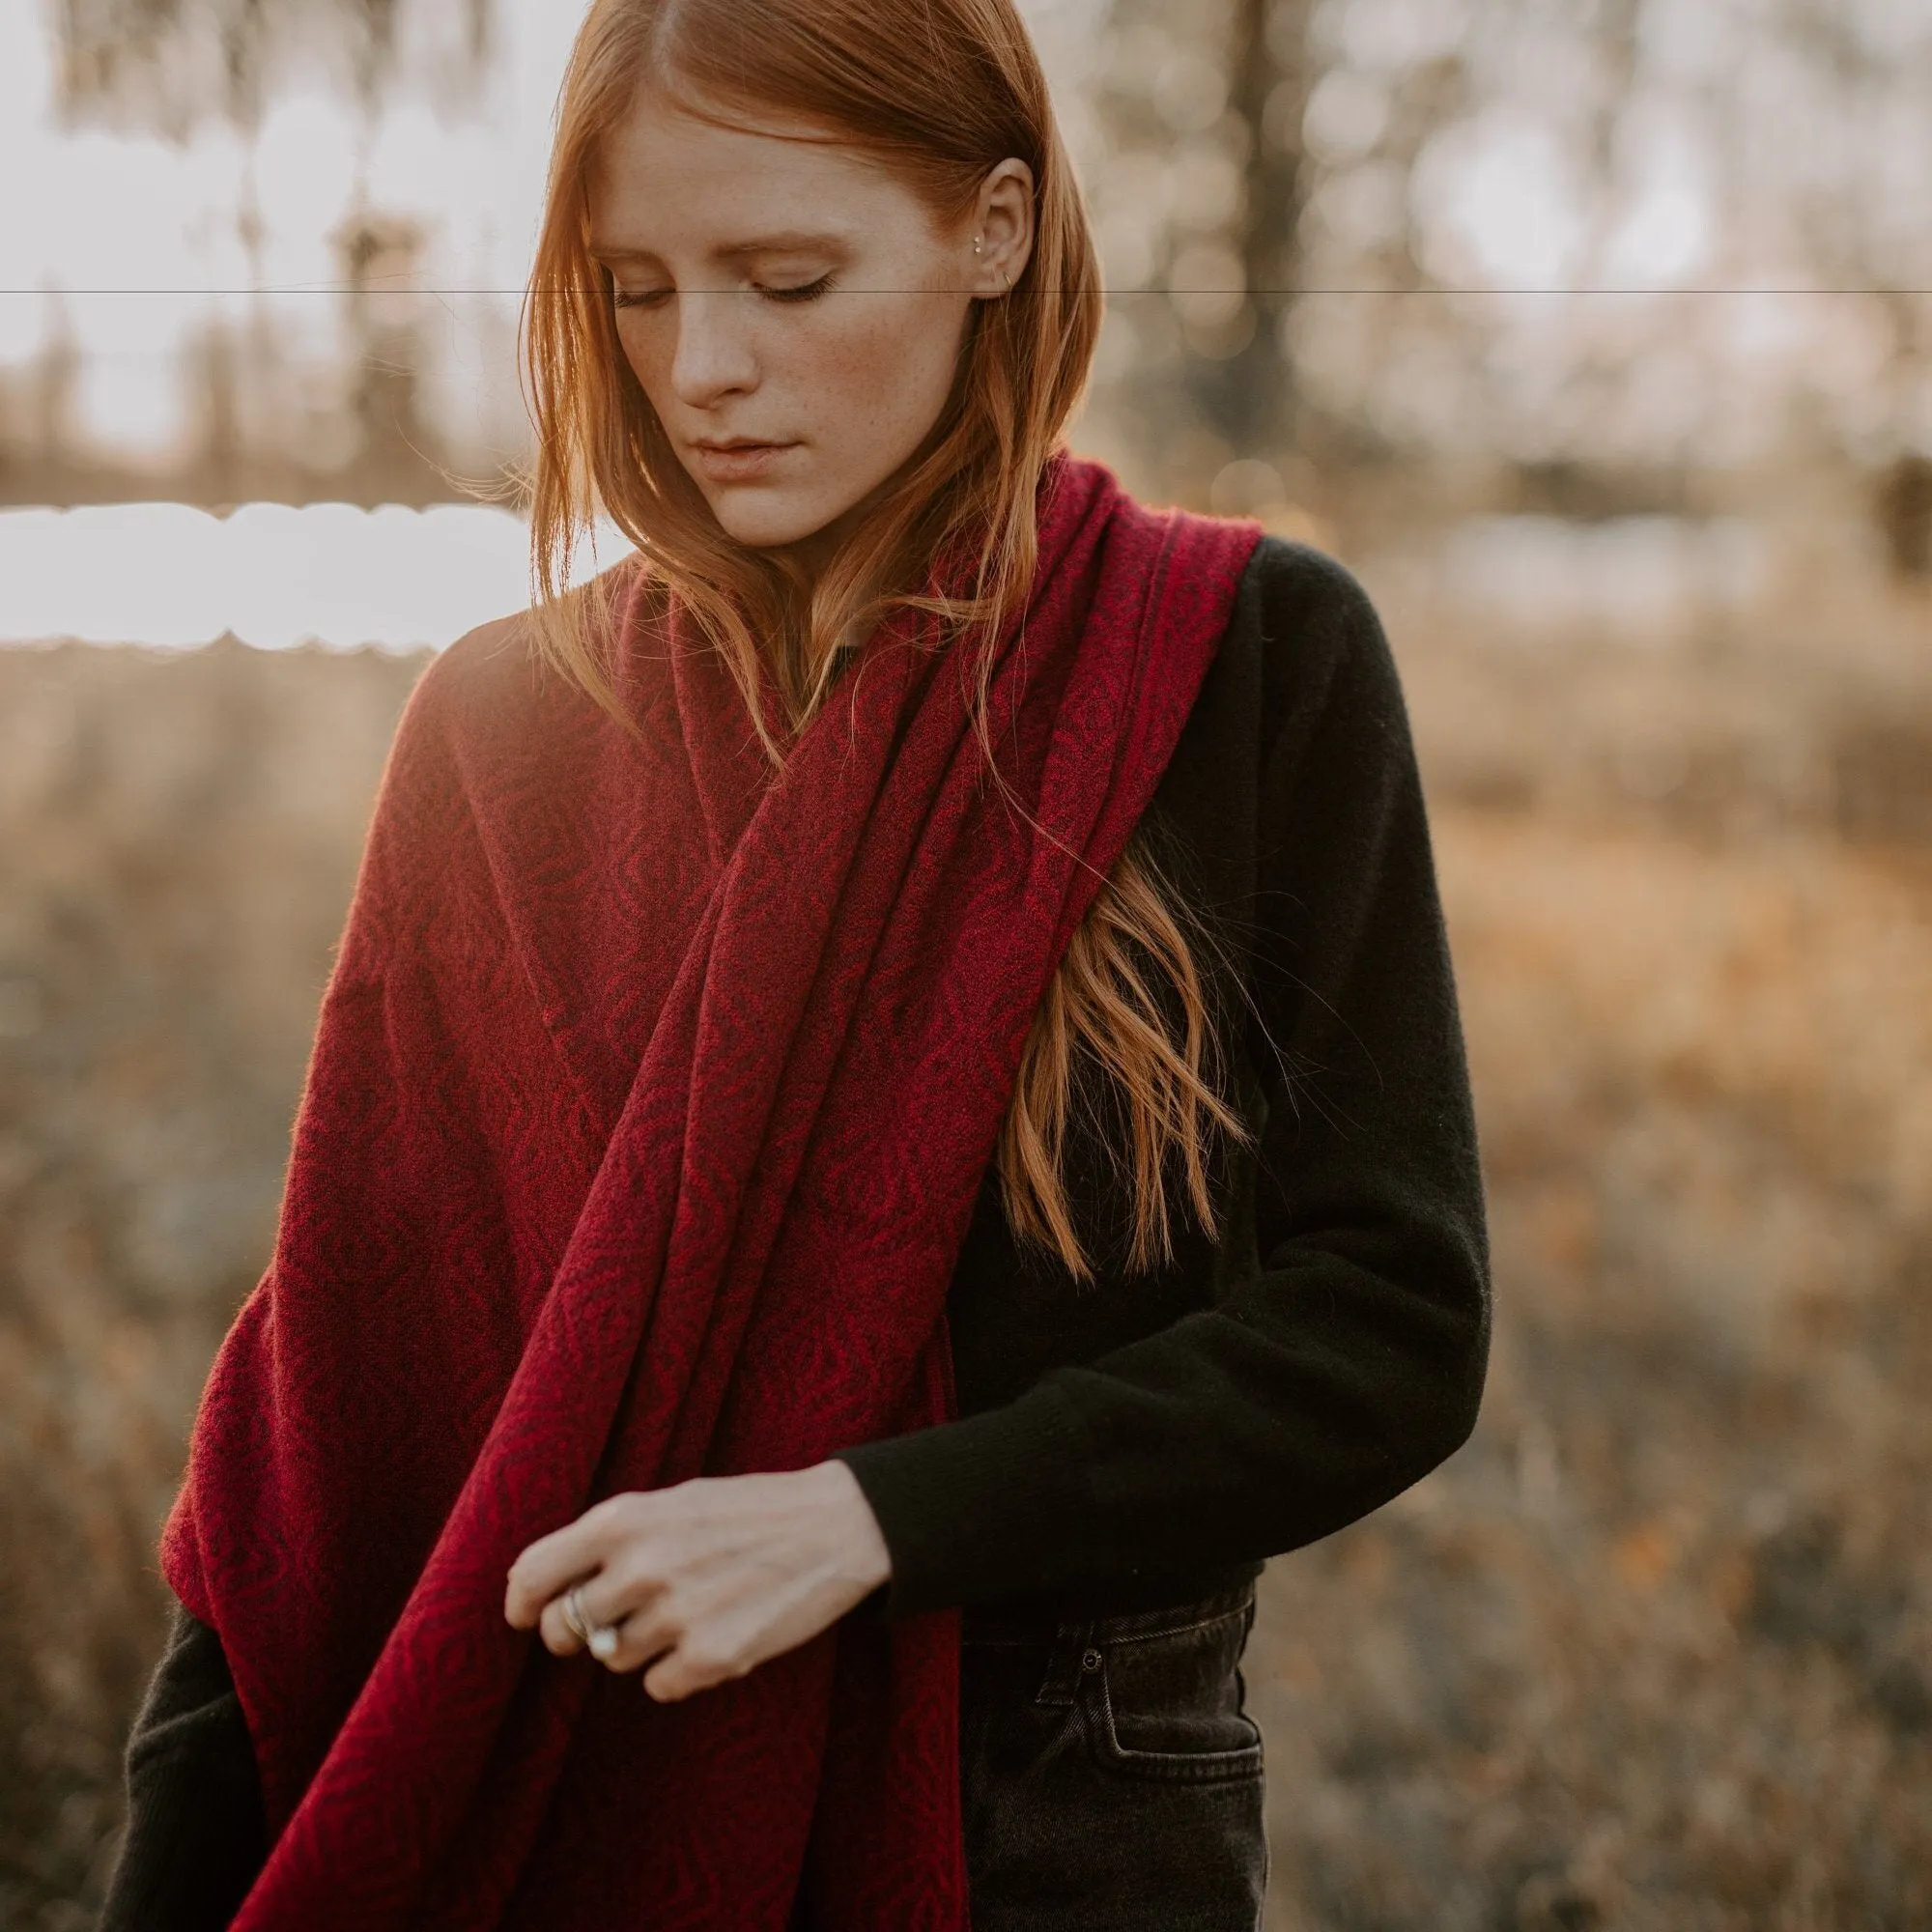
648,1102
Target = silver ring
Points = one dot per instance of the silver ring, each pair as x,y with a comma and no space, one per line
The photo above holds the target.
599,1639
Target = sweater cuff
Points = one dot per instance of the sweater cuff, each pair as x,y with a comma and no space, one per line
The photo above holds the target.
968,1508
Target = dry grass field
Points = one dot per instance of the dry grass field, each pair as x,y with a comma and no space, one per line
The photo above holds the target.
1653,1651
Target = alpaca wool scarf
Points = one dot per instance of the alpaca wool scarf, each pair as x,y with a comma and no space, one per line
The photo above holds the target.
648,1106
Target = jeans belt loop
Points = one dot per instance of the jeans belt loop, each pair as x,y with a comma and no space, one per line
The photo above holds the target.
1064,1665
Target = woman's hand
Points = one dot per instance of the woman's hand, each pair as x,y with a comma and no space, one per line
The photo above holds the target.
707,1578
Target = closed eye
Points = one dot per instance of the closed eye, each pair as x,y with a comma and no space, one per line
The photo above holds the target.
652,297
798,292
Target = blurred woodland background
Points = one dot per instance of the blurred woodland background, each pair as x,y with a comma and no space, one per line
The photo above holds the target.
1596,336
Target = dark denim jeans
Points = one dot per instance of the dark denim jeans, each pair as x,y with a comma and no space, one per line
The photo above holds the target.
1111,1779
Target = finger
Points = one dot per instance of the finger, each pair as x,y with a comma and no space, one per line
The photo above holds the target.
673,1677
634,1641
601,1608
604,1602
642,1627
668,1681
701,1659
624,1588
553,1626
551,1564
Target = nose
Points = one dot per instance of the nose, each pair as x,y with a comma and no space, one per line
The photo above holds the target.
714,355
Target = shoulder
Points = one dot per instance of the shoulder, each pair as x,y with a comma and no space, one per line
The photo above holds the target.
1304,635
463,677
469,718
494,711
493,697
1286,569
1296,594
1300,710
490,643
498,676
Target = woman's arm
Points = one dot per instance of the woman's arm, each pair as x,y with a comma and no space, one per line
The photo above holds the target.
1353,1361
195,1836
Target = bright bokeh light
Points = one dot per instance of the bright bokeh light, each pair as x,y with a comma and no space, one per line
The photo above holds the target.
1499,205
273,575
1652,579
112,217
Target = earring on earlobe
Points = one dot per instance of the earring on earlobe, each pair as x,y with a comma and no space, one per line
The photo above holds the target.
975,244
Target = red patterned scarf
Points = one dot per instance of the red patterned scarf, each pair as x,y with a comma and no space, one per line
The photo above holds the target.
645,1115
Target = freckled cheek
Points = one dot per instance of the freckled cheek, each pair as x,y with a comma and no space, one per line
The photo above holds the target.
650,359
877,366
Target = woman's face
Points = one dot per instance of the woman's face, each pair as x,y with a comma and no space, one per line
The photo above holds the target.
792,298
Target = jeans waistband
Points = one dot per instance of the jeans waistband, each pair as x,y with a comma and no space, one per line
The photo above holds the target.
979,1624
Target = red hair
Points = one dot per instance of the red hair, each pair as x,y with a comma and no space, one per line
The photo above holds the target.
940,91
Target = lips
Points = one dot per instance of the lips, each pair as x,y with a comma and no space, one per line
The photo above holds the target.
739,459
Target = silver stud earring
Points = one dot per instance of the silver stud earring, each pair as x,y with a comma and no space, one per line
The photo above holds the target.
975,244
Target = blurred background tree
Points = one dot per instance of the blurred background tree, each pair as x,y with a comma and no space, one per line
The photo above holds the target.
161,66
1394,258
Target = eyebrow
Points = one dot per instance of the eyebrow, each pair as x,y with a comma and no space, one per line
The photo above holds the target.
731,251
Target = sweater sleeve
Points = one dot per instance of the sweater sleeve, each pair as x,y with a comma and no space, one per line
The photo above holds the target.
195,1836
1351,1361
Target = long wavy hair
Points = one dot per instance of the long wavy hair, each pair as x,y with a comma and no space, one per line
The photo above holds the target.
940,91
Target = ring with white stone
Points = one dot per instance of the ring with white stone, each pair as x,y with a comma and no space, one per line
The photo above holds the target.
599,1639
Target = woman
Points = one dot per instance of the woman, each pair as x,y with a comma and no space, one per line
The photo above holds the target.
880,1134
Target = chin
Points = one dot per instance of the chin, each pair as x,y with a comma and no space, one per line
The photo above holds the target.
764,519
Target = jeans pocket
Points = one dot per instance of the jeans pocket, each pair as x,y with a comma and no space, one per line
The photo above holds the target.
1170,1704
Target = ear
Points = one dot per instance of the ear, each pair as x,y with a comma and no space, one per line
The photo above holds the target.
1004,226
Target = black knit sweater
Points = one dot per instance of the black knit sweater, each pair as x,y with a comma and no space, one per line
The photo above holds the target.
1146,1437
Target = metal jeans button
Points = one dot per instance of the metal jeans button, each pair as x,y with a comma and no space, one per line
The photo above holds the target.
1090,1660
